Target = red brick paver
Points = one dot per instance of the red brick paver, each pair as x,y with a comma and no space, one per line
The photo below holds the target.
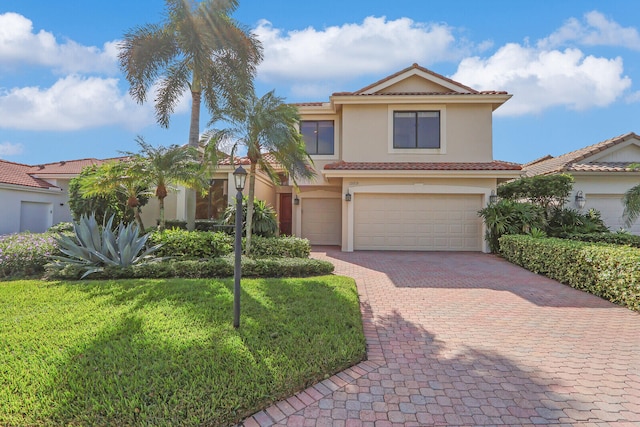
469,339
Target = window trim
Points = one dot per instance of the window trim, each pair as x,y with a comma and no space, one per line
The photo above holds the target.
391,109
336,141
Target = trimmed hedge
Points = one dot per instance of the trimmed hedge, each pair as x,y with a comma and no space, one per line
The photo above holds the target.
209,268
207,244
613,238
281,247
608,271
191,244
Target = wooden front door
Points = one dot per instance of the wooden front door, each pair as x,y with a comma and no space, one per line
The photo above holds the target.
285,214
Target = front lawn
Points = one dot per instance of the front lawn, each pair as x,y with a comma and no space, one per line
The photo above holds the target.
164,352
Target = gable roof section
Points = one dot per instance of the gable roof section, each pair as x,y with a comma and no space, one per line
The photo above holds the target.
18,174
69,167
570,162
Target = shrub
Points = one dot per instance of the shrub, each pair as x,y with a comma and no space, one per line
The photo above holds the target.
25,254
563,222
210,268
264,218
509,217
93,248
62,227
542,190
608,271
206,244
624,239
191,244
287,247
200,225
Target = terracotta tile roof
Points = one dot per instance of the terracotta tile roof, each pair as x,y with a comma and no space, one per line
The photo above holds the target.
603,167
244,161
538,160
18,174
496,165
568,161
486,92
414,66
68,166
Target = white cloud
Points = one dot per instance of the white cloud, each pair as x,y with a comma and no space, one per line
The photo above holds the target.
308,59
594,30
9,149
541,79
72,103
20,45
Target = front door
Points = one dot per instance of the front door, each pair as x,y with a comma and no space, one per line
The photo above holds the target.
285,214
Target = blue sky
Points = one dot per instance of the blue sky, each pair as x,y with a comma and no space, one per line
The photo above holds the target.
573,67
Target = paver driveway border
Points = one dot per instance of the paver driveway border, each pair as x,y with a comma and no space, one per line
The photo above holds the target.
460,338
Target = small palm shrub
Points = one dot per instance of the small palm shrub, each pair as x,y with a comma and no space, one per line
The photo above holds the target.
264,222
93,249
25,254
565,222
509,217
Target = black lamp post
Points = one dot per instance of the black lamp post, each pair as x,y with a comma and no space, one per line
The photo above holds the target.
239,177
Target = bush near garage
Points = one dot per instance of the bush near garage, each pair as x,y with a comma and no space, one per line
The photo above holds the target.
25,254
205,268
606,270
625,239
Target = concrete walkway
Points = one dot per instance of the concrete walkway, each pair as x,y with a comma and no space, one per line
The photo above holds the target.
469,339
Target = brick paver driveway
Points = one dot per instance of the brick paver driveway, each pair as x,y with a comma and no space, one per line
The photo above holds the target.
469,339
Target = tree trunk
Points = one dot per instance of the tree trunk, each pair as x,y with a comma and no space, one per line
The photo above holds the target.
194,136
252,191
161,203
136,214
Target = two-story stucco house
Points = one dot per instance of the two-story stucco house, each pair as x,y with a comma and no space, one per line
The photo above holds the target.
403,164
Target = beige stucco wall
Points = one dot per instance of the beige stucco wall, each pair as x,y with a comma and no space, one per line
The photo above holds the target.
466,134
414,84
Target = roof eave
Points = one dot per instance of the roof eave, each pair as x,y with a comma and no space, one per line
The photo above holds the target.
467,98
459,173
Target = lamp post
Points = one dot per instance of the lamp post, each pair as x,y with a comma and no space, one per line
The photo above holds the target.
239,178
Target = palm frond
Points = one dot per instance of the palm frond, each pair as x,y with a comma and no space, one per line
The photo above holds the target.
631,202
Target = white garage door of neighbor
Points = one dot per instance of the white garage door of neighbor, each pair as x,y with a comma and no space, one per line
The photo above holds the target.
438,222
611,208
35,217
322,221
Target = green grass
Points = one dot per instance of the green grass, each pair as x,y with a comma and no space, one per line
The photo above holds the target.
164,352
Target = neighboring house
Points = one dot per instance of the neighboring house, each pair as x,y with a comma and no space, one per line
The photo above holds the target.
403,164
601,172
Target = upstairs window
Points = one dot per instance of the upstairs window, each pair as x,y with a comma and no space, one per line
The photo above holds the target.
416,129
318,136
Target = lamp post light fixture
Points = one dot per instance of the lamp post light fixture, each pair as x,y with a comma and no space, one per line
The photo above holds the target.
580,199
347,197
239,178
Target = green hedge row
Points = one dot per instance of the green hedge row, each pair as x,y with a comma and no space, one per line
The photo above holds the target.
608,271
613,238
206,268
207,244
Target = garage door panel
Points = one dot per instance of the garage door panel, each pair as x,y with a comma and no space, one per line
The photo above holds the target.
417,222
322,221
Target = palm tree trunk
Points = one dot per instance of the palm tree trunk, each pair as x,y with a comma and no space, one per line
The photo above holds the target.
194,135
136,214
161,203
252,192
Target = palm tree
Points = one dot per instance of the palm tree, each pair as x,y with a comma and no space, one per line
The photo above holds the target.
126,177
198,48
262,125
162,167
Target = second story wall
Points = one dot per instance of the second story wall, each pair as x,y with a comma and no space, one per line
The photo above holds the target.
367,133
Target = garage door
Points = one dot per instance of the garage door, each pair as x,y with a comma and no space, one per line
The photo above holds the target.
610,207
322,221
439,222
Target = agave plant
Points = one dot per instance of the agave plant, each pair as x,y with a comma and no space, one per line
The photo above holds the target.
94,249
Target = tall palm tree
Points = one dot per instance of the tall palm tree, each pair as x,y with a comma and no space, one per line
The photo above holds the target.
262,125
126,177
198,48
162,167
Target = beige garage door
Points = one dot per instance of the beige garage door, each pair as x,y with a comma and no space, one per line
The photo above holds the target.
438,222
322,221
610,207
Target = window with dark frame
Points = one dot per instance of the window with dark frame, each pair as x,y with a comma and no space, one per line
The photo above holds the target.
318,136
416,129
